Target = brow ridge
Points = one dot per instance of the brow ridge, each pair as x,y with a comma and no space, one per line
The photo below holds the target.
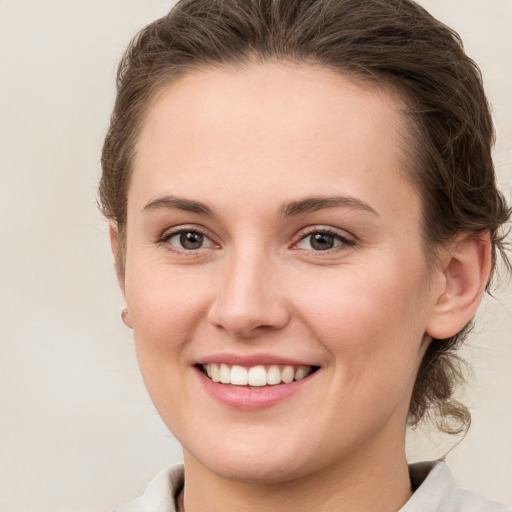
287,209
178,203
313,204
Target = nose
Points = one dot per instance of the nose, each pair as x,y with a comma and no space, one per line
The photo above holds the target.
251,299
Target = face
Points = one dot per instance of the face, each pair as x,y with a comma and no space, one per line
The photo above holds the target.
274,245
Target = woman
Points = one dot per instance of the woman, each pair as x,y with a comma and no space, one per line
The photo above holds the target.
304,219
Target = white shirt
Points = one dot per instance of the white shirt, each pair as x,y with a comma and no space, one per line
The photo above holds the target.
435,491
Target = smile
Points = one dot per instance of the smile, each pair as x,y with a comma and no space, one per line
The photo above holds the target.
257,376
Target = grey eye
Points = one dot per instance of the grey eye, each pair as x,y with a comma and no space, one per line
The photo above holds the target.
321,241
191,240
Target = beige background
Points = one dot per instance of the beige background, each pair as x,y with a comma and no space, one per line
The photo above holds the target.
77,430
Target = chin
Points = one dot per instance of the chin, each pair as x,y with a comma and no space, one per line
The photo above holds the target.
258,462
261,471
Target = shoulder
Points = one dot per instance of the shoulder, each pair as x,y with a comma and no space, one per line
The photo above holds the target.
437,491
133,506
160,494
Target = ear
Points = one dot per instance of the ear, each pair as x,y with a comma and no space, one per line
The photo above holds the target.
464,271
114,244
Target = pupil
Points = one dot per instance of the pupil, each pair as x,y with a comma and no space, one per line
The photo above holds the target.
191,240
322,241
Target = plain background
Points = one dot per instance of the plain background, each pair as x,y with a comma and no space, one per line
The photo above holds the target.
77,429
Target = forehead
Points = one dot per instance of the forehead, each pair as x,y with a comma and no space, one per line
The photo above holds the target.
279,98
270,125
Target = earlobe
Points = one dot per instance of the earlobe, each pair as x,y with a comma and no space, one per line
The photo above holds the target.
126,318
465,268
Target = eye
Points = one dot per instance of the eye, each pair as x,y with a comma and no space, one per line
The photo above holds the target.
323,240
188,240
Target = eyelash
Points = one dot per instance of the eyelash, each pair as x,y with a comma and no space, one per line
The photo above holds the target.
343,240
168,235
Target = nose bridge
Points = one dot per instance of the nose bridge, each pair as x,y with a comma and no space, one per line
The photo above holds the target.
249,296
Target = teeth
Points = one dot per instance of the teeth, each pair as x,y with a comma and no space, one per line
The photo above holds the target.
273,375
287,374
225,374
214,371
301,372
256,375
238,376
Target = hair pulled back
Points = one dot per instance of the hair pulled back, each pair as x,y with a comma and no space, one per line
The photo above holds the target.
384,43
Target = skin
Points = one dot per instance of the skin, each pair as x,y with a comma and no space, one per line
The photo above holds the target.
246,143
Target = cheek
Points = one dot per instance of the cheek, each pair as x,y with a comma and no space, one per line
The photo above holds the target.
166,306
372,320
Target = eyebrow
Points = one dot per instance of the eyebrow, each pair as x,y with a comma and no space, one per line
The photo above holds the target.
288,209
178,203
313,204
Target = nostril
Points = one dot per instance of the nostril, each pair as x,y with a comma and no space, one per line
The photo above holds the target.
251,321
249,300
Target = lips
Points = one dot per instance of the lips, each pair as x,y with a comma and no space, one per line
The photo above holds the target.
257,375
255,381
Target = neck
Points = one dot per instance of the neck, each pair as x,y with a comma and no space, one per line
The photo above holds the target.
357,484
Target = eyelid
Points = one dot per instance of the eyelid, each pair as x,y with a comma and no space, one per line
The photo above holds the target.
348,240
167,234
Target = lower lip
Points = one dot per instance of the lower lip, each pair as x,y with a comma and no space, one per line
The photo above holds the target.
251,398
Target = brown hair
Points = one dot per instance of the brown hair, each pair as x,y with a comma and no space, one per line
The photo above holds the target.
390,43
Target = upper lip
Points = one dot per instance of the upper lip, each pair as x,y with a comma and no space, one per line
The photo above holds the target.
249,360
